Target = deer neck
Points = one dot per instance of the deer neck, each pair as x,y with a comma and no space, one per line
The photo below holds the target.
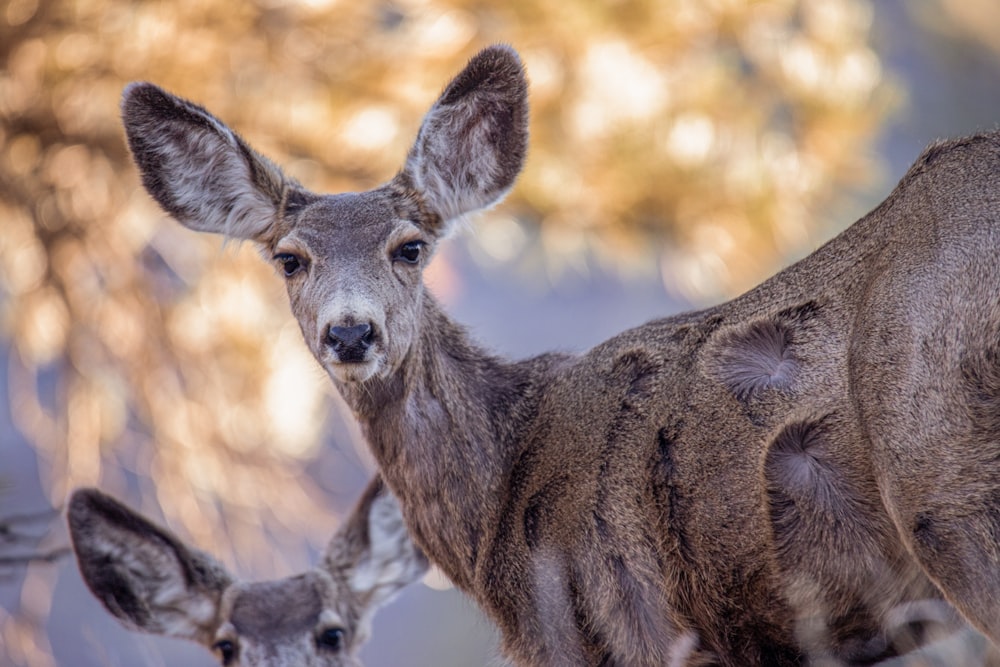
444,429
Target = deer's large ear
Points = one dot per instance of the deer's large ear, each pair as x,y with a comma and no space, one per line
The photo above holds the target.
472,143
373,551
143,574
199,170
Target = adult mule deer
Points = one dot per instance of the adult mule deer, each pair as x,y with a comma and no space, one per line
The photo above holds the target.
153,582
765,482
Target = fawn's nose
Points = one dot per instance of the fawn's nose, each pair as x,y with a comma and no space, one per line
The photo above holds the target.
350,343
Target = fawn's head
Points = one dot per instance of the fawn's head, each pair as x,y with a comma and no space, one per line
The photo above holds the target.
352,261
154,583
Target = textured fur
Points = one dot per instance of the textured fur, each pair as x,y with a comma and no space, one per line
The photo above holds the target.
765,482
154,583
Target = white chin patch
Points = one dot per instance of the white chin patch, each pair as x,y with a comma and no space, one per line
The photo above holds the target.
353,373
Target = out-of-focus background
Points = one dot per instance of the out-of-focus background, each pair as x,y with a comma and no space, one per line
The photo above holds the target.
681,151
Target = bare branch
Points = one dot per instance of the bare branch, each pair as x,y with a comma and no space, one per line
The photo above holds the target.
24,560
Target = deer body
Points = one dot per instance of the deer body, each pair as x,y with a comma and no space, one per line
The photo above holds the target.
153,582
765,482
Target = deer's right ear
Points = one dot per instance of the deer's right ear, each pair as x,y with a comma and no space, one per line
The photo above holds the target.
197,169
143,574
373,551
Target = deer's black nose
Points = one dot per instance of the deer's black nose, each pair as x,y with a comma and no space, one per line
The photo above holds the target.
350,343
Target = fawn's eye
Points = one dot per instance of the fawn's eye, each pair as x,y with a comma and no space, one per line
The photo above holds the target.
409,252
226,650
290,264
331,639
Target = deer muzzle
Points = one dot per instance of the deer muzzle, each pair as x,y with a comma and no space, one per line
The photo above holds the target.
350,343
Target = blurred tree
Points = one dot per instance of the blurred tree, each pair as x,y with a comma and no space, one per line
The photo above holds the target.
962,19
697,136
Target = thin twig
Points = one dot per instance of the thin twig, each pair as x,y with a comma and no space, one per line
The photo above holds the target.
11,527
22,560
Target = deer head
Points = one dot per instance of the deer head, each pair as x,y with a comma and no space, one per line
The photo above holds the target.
153,582
352,262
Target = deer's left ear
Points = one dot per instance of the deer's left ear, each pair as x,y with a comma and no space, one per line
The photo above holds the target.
473,141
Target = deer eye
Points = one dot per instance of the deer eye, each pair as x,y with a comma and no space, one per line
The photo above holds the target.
226,650
331,639
290,264
409,252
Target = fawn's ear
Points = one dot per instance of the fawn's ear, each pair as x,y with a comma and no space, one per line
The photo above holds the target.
472,143
199,170
143,574
373,550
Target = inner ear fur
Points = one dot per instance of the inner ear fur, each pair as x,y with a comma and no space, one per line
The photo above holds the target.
373,551
143,574
199,170
473,141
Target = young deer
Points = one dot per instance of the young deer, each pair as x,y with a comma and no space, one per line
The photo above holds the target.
765,482
153,582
